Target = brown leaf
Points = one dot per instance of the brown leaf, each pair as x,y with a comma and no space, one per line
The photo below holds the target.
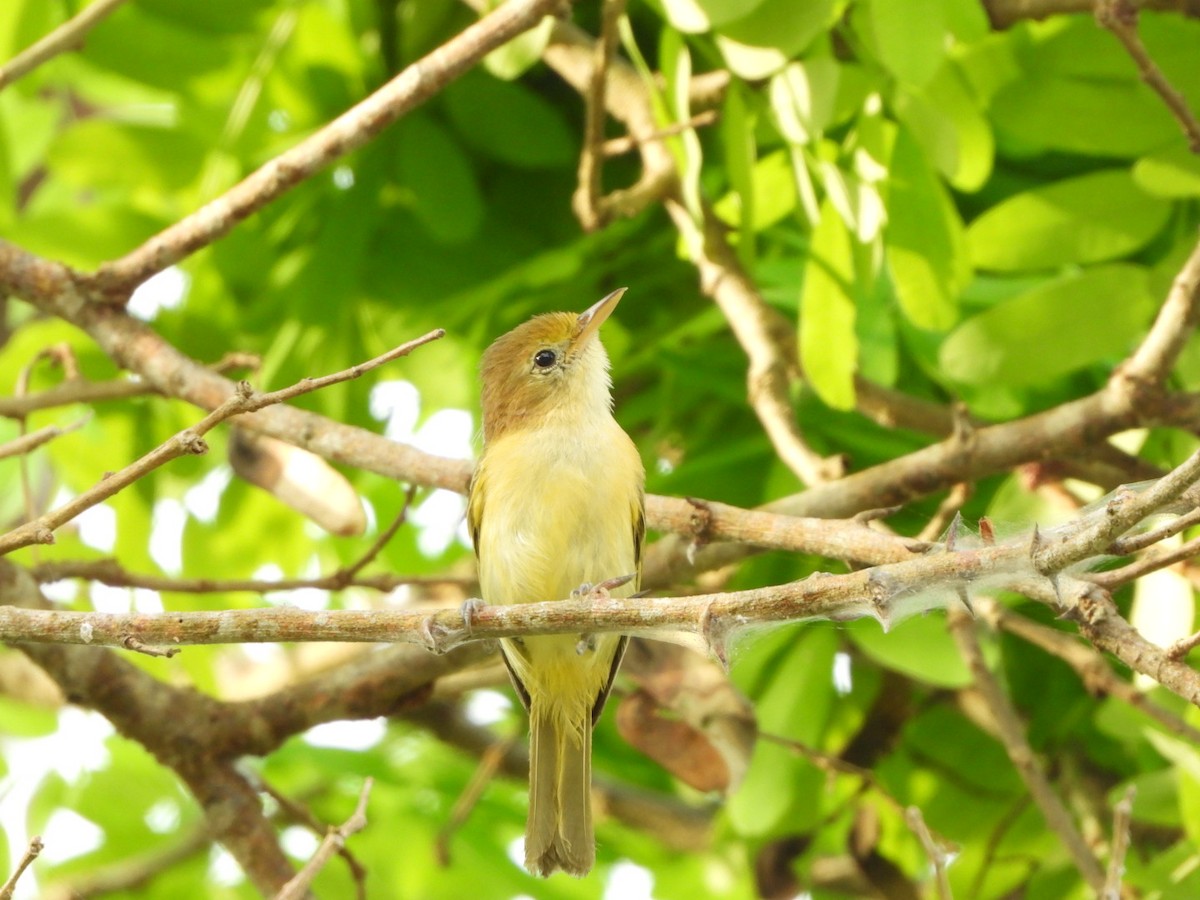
301,479
687,715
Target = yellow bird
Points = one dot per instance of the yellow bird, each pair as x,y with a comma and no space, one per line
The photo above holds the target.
556,502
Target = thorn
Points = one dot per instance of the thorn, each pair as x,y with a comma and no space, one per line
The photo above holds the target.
881,592
987,532
714,634
965,599
952,531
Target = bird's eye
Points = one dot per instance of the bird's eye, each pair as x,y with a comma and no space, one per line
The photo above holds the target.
544,359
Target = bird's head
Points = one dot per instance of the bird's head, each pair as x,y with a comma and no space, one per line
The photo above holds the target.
551,368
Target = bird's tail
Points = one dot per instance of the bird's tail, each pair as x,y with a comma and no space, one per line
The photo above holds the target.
558,834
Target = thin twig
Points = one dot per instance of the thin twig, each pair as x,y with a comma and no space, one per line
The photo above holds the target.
73,391
1147,368
628,143
296,812
1012,735
1091,666
1183,646
110,572
351,572
31,853
27,443
67,36
1135,542
1160,558
1122,819
334,841
190,440
936,853
589,202
489,764
1121,17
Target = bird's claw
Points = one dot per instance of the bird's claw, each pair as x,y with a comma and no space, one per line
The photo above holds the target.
601,589
469,609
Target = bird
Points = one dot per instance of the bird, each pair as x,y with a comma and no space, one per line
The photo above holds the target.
556,509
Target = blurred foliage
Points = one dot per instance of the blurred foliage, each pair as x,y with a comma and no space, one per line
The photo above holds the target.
951,211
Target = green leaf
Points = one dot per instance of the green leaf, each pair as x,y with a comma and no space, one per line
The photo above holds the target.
445,194
97,151
761,43
512,60
1091,218
1186,760
1060,326
910,36
773,194
737,139
802,98
947,122
828,344
19,719
507,121
1171,172
1038,112
926,248
794,702
156,51
698,16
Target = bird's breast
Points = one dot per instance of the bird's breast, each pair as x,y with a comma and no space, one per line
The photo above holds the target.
558,512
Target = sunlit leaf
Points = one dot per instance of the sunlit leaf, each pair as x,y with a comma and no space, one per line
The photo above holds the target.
828,344
1057,327
1090,218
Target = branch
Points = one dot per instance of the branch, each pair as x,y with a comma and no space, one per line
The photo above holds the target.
31,853
1012,735
766,338
1149,365
67,36
1120,17
1093,670
1122,819
79,390
190,440
885,592
589,202
334,841
27,443
201,738
110,572
1006,13
351,130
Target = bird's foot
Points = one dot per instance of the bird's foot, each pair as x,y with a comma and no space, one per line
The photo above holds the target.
601,589
469,609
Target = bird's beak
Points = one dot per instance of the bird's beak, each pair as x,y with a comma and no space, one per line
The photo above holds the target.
593,317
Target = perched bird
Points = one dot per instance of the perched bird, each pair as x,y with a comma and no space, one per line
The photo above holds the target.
556,503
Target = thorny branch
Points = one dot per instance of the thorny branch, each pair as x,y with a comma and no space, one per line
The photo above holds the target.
886,592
